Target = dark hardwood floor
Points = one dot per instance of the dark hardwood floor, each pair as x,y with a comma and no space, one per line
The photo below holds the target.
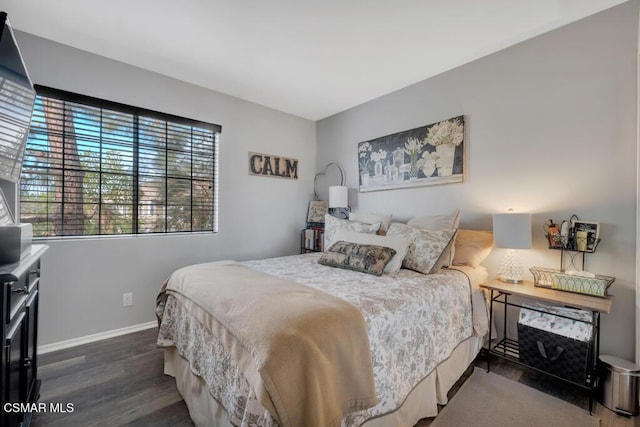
115,382
120,382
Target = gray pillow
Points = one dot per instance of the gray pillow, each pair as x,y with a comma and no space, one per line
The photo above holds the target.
369,259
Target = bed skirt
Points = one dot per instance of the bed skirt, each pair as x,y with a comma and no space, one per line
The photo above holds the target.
421,403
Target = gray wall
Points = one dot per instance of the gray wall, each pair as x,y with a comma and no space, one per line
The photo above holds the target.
84,279
551,130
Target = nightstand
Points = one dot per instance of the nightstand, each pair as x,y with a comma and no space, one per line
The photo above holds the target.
312,240
509,349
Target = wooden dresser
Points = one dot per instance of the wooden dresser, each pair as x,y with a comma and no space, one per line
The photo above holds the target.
19,308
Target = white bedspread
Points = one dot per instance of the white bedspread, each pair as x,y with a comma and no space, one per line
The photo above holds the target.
414,322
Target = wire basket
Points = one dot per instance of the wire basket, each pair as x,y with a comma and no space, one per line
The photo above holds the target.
543,276
557,279
572,243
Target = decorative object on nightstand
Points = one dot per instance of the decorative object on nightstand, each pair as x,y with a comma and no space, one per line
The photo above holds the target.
512,231
324,173
574,235
575,239
315,215
573,281
339,201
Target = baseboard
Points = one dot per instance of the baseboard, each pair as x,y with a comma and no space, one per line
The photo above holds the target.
61,345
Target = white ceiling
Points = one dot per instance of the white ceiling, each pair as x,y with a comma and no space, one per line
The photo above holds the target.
308,58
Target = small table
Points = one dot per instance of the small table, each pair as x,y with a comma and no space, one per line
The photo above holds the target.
507,348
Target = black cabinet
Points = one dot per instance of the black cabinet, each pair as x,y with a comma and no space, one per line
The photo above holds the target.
14,374
19,381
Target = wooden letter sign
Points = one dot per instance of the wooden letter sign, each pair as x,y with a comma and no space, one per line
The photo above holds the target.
270,165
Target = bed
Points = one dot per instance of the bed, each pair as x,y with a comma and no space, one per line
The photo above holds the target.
423,331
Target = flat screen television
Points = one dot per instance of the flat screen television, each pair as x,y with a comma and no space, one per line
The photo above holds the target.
17,98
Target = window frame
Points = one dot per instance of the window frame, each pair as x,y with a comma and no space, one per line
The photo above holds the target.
137,203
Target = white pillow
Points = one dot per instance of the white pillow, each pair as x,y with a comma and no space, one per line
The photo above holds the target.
436,222
400,244
426,246
372,218
333,224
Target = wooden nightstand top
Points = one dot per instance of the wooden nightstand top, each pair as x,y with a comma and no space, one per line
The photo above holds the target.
528,290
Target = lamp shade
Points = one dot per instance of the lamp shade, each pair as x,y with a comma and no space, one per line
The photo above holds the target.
338,196
512,230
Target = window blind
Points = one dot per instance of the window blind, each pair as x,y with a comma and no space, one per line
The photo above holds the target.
94,167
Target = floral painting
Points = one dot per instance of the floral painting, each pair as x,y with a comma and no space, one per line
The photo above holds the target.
427,155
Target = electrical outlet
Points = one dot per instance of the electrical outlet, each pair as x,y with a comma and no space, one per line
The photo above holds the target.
127,299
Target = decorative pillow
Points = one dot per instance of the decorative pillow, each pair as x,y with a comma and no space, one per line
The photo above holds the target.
425,248
372,218
399,244
440,222
436,222
369,259
446,257
333,224
472,247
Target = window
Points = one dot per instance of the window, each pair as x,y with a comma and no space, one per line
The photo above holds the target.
94,167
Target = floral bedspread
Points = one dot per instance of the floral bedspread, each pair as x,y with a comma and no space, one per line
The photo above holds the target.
414,322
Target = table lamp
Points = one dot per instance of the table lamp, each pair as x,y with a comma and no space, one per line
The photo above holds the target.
339,201
511,231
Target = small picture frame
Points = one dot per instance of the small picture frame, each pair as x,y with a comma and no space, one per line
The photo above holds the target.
317,210
587,235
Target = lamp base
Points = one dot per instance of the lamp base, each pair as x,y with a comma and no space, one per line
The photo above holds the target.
511,269
512,281
339,212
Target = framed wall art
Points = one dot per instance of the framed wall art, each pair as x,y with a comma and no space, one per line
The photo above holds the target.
428,155
316,213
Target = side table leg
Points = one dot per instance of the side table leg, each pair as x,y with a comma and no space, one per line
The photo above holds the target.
595,381
504,325
490,323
